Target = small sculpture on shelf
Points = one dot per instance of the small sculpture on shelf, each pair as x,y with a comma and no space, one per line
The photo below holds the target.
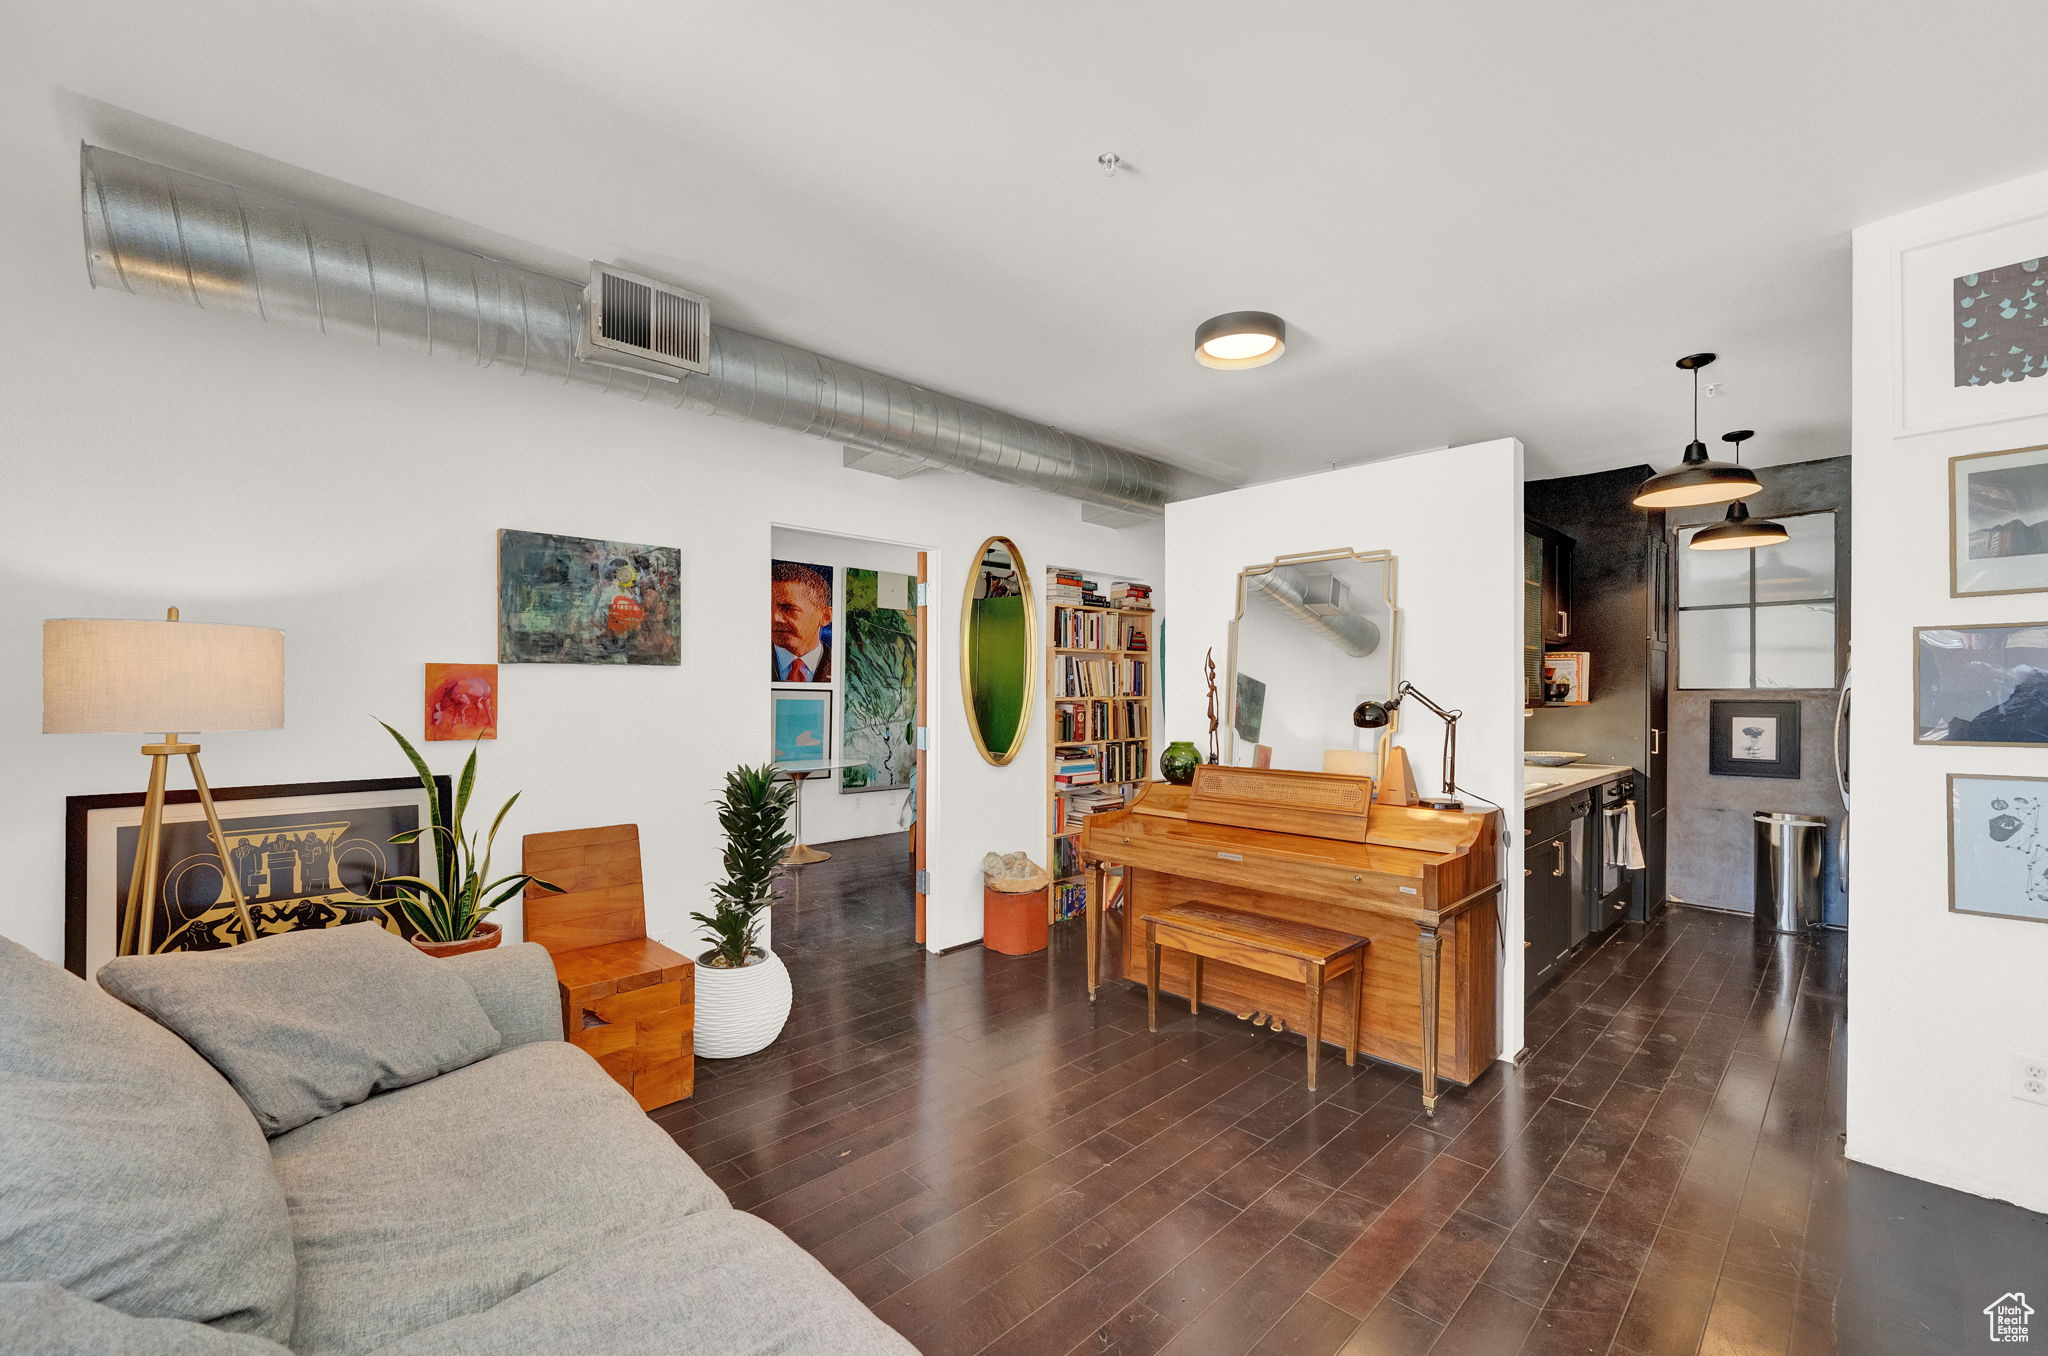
1209,664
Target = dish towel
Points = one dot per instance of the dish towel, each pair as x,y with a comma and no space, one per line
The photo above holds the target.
1626,849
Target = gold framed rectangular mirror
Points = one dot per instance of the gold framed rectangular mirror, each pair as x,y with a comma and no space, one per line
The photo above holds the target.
1313,635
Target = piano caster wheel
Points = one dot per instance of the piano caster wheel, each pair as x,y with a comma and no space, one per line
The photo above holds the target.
1429,1110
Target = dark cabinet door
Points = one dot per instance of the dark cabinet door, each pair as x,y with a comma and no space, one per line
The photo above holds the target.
1653,790
1556,602
1546,906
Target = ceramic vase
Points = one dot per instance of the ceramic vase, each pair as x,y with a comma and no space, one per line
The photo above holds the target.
486,936
1179,762
740,1012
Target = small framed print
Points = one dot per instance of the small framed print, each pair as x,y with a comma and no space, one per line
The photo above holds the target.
1567,678
1998,522
1753,739
1998,846
1981,685
803,724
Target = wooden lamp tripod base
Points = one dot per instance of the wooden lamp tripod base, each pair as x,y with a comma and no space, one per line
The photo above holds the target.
138,928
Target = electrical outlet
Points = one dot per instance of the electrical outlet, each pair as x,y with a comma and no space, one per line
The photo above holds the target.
2030,1078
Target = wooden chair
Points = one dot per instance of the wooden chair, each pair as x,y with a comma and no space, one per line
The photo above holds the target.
1272,946
626,999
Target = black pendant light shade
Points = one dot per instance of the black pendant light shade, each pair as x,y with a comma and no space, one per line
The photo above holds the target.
1697,479
1738,531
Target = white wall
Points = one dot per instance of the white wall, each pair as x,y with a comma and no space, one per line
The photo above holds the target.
1453,519
830,814
1939,1003
156,454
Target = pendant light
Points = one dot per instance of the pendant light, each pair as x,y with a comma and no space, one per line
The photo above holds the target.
1738,531
1696,480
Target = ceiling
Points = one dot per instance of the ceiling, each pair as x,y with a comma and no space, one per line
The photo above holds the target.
1474,227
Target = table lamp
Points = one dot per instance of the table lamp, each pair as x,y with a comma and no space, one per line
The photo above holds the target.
107,676
1375,715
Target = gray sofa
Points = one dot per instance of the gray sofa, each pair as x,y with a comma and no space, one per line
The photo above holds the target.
412,1195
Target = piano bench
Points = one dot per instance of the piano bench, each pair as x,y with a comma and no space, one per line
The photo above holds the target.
1271,946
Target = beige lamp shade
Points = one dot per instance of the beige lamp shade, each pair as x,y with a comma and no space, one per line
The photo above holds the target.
104,676
1351,762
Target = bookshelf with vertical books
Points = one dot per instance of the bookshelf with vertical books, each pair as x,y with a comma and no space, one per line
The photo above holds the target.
1100,678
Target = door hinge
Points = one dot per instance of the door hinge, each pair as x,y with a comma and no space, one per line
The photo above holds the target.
924,882
924,593
924,738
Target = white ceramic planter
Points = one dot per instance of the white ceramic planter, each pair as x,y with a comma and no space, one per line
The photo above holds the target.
741,1011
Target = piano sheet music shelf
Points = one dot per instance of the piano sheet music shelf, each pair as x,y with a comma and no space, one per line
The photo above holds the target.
1309,847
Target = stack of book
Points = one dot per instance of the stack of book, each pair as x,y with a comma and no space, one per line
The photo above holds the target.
1065,586
1135,596
1075,767
1080,804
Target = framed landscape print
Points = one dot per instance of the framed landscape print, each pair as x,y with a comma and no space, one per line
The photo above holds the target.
878,719
1753,739
1968,335
307,855
1998,522
578,600
1997,856
1981,684
803,724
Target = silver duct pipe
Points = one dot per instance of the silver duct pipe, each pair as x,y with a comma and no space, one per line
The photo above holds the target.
159,232
1355,635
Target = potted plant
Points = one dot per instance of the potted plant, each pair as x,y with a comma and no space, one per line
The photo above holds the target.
743,990
447,914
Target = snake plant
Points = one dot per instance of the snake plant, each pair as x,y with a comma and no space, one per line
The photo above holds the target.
754,812
449,908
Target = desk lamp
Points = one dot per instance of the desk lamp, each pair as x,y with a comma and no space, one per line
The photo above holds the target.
1376,715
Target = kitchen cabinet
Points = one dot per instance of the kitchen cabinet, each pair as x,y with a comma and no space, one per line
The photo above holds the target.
1551,552
1556,888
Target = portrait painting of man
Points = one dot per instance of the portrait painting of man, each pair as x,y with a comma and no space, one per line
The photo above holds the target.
800,622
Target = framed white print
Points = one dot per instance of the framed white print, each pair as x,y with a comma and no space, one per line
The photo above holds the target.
1970,328
1998,846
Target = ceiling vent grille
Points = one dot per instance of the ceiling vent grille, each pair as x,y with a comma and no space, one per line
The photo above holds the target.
644,326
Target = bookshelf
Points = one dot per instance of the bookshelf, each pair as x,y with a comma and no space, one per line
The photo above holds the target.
1100,677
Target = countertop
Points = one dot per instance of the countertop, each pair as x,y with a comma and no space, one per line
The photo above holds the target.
1562,781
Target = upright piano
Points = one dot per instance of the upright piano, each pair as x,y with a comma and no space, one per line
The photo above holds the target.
1423,885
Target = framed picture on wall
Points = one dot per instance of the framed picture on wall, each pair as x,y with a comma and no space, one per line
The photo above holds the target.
307,855
1567,677
1753,739
799,622
1997,852
1967,331
802,724
1998,522
1981,684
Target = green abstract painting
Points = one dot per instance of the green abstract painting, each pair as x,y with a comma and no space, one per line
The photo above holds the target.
879,715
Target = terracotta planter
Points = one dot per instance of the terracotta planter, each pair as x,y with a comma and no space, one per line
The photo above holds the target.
1013,924
740,1012
487,935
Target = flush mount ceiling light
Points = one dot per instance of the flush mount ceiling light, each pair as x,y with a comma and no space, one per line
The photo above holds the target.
1696,480
1240,339
1738,531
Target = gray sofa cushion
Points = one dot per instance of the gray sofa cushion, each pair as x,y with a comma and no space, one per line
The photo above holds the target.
516,986
443,1199
129,1172
306,1023
718,1282
38,1319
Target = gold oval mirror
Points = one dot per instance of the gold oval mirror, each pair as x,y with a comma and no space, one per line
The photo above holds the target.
998,649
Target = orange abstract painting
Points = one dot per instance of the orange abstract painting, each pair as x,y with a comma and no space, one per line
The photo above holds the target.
462,701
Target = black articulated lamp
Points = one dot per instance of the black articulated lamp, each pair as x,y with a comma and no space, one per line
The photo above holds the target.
1738,531
1375,715
1697,479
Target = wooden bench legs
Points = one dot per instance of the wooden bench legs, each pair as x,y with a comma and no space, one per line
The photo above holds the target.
1312,973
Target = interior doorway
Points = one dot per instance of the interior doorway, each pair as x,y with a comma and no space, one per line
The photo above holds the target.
849,690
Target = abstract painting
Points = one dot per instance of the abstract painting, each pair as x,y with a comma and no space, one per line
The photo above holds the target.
308,855
1998,846
576,600
803,725
1248,712
1981,684
1998,529
878,719
799,622
462,701
2001,332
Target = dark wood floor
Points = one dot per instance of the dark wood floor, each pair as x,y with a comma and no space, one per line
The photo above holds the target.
996,1166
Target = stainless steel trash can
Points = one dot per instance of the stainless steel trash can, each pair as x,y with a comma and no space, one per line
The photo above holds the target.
1789,851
